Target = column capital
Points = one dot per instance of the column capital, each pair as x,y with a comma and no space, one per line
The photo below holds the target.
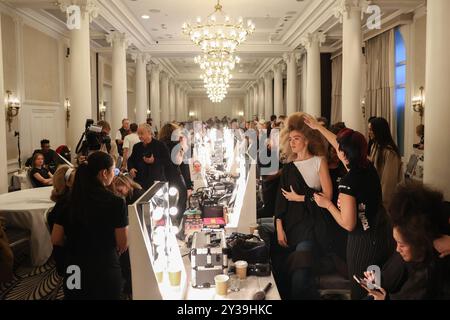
164,75
117,37
313,38
154,69
278,68
268,76
144,57
260,82
344,7
289,56
87,7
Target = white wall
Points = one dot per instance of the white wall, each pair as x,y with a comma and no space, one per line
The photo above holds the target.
205,109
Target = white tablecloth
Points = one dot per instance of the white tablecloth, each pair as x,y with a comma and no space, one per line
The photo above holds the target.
28,209
21,181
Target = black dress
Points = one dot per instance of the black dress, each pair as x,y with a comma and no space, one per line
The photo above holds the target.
371,242
91,245
44,174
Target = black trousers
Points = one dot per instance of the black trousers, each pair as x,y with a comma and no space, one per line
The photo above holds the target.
363,250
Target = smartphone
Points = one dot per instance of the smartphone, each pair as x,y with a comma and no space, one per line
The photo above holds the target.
363,283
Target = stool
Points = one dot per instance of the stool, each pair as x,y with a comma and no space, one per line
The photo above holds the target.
334,285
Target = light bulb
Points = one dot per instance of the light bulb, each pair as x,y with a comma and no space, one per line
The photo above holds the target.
173,191
173,211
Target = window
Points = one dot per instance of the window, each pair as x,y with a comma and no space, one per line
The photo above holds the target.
400,88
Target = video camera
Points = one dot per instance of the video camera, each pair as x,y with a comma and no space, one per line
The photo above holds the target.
92,139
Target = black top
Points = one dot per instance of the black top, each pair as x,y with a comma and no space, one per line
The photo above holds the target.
90,229
416,281
298,222
364,185
51,159
147,174
336,176
44,174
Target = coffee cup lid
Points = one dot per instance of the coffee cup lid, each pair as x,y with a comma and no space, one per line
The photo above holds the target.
241,263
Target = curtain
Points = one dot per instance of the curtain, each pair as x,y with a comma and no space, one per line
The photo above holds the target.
336,90
380,94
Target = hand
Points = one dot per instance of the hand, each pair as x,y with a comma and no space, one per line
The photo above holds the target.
82,159
322,201
312,122
292,196
189,192
149,160
377,295
442,245
282,240
133,173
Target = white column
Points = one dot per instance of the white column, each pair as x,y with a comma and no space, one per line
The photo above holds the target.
251,103
141,60
155,103
349,12
261,99
165,109
268,95
246,103
437,111
291,94
312,44
304,62
3,157
278,89
186,104
80,71
255,99
119,110
172,99
178,103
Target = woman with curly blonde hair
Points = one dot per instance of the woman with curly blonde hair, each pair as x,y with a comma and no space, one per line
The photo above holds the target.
297,225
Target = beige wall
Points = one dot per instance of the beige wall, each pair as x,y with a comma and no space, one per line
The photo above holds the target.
205,109
9,44
41,68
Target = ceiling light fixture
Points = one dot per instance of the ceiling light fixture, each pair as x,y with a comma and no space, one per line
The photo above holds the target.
218,37
145,16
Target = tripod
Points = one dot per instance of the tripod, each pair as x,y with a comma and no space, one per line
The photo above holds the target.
17,134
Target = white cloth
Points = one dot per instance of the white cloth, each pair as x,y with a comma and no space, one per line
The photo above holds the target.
28,209
118,135
130,141
21,180
310,172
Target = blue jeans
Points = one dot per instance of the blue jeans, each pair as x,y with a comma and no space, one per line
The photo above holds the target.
303,284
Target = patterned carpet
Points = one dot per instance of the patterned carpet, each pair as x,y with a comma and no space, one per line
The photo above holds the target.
33,283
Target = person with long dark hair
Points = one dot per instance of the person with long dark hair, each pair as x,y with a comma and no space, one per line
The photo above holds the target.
386,158
359,210
96,228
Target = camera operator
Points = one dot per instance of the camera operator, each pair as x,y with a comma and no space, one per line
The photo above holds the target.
97,139
150,159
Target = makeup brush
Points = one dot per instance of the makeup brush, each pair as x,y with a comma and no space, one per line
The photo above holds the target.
261,295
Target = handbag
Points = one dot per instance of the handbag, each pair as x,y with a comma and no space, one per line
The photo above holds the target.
249,248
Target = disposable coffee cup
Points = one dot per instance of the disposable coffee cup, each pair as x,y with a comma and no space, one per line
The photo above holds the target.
253,227
241,269
175,277
221,281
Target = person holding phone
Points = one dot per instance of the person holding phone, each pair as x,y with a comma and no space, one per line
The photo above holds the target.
150,159
416,271
359,209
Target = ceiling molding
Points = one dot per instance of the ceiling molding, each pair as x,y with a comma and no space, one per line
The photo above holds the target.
123,20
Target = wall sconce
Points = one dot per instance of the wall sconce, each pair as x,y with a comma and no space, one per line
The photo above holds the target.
148,113
418,104
191,113
102,110
12,108
67,107
241,113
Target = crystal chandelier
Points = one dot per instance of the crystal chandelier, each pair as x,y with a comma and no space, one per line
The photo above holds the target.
218,37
